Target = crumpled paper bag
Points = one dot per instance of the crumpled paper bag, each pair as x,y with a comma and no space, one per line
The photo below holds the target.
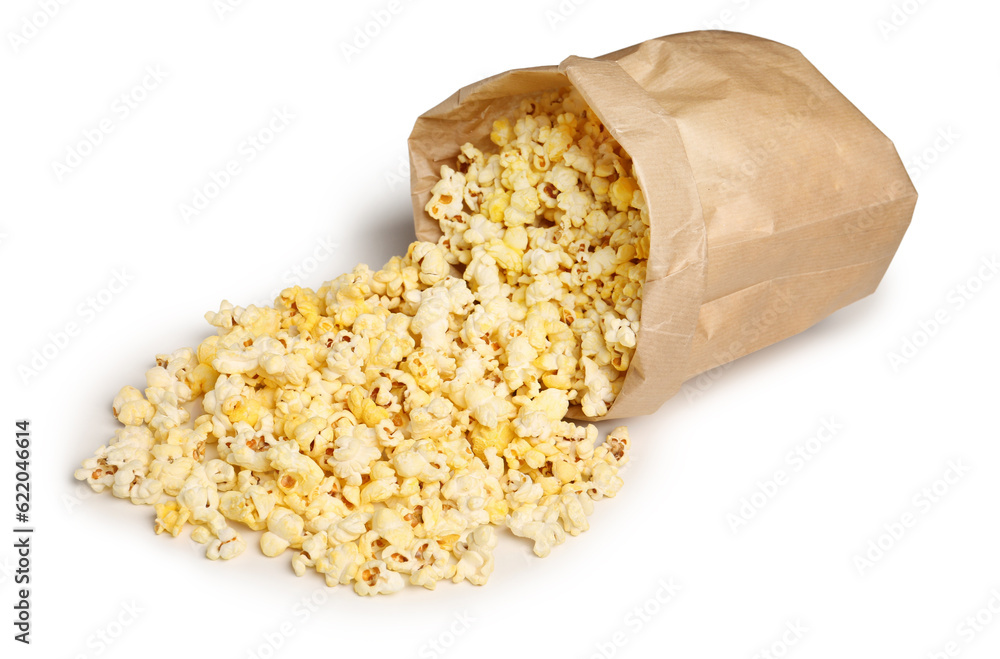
773,201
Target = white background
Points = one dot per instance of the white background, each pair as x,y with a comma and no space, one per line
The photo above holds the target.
333,174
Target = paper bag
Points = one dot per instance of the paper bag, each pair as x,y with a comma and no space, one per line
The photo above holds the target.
773,201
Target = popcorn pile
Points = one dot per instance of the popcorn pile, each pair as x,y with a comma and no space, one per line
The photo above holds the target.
553,230
380,427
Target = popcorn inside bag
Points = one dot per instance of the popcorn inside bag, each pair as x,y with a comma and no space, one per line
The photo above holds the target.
379,428
554,227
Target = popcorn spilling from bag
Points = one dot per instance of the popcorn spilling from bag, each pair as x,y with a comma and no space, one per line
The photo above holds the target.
378,429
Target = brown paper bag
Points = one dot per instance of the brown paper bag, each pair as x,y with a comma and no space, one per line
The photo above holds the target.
773,201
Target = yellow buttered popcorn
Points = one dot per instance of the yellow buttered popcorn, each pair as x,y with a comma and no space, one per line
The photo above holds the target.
379,428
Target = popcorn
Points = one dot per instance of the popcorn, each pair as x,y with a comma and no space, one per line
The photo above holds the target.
390,525
353,454
286,525
221,473
349,528
228,544
170,518
251,507
199,495
272,544
381,427
341,564
375,578
131,408
146,491
296,473
201,535
539,523
475,556
170,467
313,548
